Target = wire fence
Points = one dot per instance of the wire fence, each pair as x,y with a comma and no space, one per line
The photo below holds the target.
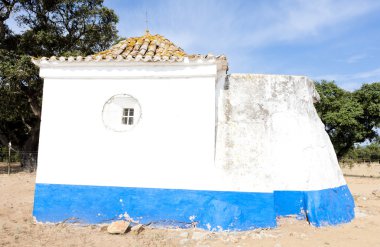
352,163
12,160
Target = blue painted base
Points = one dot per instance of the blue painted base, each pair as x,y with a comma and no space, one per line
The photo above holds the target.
320,208
214,210
210,209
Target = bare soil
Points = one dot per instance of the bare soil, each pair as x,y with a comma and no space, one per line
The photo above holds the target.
17,227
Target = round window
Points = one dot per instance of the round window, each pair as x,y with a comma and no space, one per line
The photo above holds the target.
121,112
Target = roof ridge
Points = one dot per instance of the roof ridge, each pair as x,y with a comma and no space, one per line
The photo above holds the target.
146,48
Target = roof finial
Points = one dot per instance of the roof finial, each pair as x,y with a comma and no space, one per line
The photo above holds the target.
146,21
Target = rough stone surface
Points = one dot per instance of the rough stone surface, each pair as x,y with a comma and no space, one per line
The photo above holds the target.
118,227
137,229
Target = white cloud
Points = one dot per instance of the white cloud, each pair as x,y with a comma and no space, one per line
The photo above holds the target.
352,81
297,20
246,23
213,25
356,58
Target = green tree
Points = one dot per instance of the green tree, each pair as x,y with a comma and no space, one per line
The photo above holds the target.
349,118
50,27
368,153
369,98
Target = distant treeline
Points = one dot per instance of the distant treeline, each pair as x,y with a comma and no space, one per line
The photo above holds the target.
351,118
360,154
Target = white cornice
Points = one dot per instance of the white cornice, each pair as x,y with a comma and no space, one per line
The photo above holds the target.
135,71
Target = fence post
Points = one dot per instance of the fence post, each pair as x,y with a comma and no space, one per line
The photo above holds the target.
9,158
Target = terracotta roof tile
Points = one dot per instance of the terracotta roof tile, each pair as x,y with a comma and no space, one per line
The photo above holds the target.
147,48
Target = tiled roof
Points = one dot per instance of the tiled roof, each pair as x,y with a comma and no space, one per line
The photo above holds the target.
147,48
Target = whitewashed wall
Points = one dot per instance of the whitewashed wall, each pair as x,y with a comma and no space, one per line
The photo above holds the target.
173,142
268,139
271,135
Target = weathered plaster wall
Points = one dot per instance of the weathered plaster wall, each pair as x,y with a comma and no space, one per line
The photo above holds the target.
272,155
271,135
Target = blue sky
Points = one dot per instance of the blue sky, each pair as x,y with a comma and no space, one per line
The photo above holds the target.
323,39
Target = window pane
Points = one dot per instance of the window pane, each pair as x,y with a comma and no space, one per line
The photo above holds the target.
131,112
130,121
125,111
125,120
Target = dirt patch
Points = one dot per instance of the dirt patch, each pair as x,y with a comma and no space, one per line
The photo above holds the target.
17,227
14,167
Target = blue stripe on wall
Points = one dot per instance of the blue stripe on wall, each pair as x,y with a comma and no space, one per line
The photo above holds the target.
212,209
322,207
174,207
